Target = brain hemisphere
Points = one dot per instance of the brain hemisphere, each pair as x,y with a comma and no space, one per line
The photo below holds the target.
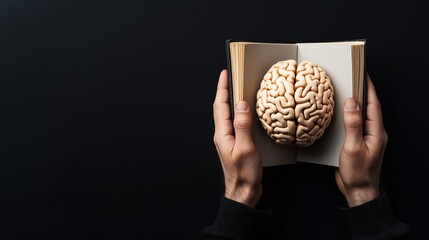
295,104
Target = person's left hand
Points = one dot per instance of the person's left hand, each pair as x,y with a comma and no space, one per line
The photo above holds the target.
240,159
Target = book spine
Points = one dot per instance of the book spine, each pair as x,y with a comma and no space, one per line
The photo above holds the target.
364,90
229,68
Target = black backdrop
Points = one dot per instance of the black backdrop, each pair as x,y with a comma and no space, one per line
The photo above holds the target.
106,114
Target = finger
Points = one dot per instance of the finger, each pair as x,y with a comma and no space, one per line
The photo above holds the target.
221,109
352,123
243,124
374,119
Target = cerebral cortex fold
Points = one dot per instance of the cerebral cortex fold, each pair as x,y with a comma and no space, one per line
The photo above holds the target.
295,103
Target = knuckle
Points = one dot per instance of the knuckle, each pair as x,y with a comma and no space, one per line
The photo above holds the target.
385,137
241,123
215,140
354,122
351,149
243,153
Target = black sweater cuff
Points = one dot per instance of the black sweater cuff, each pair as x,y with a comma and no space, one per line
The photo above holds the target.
375,220
238,221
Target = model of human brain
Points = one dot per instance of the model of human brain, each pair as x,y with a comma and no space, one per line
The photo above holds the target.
295,103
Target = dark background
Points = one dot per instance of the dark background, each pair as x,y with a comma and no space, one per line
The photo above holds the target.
106,114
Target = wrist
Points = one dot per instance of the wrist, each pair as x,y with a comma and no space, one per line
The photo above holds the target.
248,195
361,196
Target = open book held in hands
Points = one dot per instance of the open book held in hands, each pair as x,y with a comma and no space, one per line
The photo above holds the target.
296,92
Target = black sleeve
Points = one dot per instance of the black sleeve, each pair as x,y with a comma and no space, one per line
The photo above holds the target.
238,221
375,220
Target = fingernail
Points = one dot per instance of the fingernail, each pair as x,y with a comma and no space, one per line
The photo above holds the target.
241,106
350,104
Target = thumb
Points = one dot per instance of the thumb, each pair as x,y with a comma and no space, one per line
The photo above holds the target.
243,123
352,122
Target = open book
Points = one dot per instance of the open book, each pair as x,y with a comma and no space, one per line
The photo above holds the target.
344,63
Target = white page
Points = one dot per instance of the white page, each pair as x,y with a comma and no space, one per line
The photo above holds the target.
336,60
258,60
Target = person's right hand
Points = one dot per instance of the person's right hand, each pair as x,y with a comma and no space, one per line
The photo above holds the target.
358,174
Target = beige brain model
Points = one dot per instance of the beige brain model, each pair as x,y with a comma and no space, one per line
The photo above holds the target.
295,104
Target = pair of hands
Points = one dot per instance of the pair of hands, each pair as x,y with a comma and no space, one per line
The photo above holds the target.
357,176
